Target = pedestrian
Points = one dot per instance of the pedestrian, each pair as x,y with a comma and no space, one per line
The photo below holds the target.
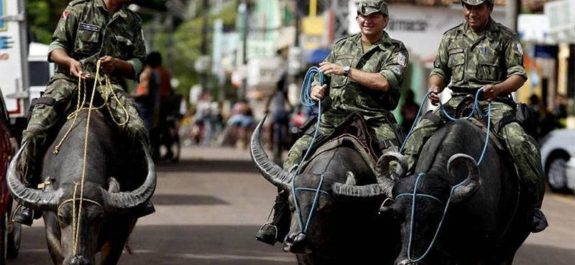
364,72
483,54
88,31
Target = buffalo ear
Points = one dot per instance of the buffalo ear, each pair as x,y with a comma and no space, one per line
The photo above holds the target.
386,209
468,186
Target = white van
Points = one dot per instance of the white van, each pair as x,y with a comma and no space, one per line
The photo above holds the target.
39,68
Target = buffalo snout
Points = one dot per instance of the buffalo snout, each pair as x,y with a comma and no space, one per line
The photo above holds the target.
296,243
79,260
406,262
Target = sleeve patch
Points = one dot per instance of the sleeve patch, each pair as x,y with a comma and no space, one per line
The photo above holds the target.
519,49
402,60
65,15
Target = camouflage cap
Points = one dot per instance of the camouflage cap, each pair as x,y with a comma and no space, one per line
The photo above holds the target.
368,7
476,2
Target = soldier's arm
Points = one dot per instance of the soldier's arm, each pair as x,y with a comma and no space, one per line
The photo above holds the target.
389,77
440,72
65,33
61,57
516,75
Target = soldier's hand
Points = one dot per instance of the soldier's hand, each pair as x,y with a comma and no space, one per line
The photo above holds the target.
490,92
434,95
330,68
108,64
318,92
76,70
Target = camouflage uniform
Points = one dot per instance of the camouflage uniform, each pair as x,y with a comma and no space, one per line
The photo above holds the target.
387,57
87,32
470,61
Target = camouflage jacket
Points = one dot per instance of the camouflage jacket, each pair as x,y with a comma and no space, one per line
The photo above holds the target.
388,57
87,32
471,60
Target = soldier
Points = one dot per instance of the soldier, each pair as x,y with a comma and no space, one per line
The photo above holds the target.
88,31
483,54
364,73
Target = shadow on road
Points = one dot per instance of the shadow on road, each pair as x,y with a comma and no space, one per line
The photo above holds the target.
212,166
198,245
226,245
177,199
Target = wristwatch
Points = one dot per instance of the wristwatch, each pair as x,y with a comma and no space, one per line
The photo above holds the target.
346,70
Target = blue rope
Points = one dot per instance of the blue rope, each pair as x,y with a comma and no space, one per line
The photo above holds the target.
314,204
306,100
415,121
476,109
414,194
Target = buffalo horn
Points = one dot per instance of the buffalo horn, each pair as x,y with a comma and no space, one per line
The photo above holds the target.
31,198
385,161
470,185
133,199
380,189
270,171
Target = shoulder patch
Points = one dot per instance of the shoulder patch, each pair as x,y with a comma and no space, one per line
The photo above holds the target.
519,49
452,29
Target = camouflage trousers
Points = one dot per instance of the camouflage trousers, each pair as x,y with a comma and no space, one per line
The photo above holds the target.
45,116
379,127
522,147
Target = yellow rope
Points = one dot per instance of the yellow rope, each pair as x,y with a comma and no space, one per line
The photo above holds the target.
74,230
105,91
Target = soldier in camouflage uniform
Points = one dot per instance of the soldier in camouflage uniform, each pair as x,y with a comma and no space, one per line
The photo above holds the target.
364,72
88,31
483,54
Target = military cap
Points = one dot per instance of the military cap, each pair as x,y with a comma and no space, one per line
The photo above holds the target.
476,2
368,7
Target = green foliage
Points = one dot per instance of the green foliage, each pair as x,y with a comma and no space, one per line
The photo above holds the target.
43,16
182,48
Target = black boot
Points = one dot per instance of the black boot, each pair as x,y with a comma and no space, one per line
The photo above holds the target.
24,215
539,222
276,230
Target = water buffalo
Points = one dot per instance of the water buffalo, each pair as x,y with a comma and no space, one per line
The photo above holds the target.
100,217
455,211
327,228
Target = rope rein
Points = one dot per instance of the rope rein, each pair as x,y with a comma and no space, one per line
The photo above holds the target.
106,90
306,100
476,110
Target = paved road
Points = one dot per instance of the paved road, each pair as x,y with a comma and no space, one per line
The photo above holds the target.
211,203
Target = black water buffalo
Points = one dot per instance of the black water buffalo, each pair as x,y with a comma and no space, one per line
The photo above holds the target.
326,228
106,209
453,211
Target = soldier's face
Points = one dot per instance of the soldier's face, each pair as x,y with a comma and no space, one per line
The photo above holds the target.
372,24
477,16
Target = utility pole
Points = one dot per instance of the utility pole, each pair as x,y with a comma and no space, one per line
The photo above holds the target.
512,11
244,87
204,46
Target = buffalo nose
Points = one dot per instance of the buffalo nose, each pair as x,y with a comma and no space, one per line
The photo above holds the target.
79,260
296,243
405,262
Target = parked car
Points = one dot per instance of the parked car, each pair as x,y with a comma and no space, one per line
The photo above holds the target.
9,231
558,158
